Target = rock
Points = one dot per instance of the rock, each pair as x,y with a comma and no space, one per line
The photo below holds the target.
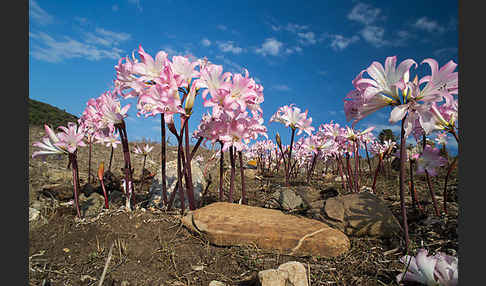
58,175
286,199
155,190
216,283
91,205
226,224
273,277
292,273
328,176
60,192
297,275
34,214
250,173
328,193
361,214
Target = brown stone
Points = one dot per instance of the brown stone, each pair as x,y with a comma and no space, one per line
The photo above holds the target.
361,214
227,224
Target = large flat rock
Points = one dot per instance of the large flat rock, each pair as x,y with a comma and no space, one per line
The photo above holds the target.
227,224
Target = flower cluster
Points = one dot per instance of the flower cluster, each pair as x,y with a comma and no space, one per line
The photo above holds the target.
101,116
236,116
290,115
65,142
414,101
439,269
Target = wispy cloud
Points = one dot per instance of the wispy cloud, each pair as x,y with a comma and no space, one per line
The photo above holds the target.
222,27
271,46
374,35
428,25
340,42
229,65
96,46
307,38
106,38
229,47
445,52
38,14
114,8
281,87
364,14
369,16
291,50
290,27
205,42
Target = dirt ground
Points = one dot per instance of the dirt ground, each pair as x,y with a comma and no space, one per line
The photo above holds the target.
151,247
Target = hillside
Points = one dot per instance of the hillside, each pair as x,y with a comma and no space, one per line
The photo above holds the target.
41,113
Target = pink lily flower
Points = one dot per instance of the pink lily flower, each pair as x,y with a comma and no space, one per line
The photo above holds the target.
420,268
429,160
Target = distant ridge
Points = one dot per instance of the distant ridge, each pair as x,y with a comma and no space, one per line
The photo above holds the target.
41,113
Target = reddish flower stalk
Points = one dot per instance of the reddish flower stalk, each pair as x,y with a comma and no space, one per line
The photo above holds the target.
163,158
179,174
402,183
340,167
356,165
368,157
380,160
413,192
101,171
348,172
143,167
431,192
111,158
130,191
74,164
232,178
287,174
242,174
90,143
311,169
187,167
449,170
221,169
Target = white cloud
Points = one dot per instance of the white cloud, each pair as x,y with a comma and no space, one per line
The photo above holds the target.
281,87
292,50
96,46
307,38
339,42
222,27
106,38
229,64
445,52
291,27
229,47
374,35
206,42
428,25
38,14
271,46
364,14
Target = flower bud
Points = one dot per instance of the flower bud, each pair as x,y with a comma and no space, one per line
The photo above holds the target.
101,170
279,141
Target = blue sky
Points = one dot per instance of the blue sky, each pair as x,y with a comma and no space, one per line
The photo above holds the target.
302,54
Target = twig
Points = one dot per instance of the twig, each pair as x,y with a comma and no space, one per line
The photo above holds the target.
106,264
